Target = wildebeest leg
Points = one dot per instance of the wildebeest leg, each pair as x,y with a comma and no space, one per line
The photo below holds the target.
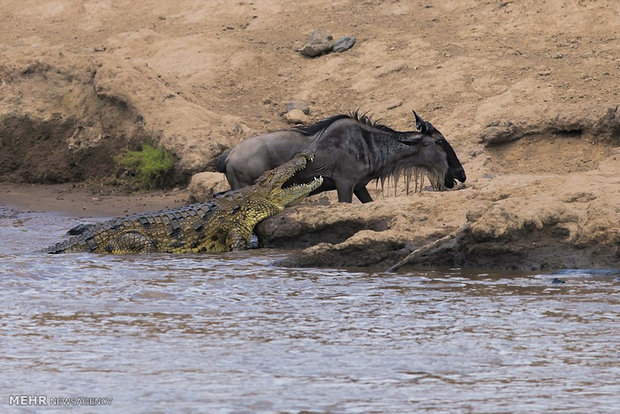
362,194
345,191
233,179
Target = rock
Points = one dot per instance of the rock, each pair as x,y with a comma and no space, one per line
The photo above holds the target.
320,42
344,43
609,123
395,103
204,185
296,116
301,105
499,133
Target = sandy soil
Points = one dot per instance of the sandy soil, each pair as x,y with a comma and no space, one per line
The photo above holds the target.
527,93
79,202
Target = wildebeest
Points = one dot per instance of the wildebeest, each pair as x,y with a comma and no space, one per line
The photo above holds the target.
350,151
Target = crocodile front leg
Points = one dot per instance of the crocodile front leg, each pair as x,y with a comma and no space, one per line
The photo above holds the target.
238,239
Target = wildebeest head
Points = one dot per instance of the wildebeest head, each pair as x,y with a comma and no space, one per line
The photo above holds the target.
455,169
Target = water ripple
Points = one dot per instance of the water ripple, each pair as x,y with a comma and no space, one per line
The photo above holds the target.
232,333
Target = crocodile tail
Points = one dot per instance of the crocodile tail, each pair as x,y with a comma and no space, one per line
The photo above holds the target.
220,161
58,248
80,243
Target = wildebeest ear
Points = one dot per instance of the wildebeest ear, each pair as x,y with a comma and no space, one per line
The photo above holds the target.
420,124
410,140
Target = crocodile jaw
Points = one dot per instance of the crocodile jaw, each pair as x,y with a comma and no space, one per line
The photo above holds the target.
291,195
270,183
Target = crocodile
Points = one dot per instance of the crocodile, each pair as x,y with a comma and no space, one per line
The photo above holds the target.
222,224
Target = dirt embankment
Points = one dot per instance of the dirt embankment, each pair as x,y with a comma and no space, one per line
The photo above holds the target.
521,220
526,92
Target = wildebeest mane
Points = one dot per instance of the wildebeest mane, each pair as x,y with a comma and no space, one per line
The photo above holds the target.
308,130
365,118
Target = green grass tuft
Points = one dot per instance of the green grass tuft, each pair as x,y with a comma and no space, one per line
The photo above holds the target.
151,167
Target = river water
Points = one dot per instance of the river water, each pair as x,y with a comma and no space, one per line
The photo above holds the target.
232,333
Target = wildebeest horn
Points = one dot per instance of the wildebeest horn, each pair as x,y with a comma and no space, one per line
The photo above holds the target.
419,123
424,127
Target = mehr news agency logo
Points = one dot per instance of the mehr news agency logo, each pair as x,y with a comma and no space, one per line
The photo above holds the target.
21,400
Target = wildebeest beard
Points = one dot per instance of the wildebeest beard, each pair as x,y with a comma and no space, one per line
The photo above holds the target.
412,176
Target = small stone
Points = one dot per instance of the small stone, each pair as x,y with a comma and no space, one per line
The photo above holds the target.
394,104
557,280
204,185
301,105
344,43
296,116
320,42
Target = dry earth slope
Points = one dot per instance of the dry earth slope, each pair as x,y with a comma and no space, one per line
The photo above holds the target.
527,92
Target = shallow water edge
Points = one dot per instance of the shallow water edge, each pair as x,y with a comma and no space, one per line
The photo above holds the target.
234,333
